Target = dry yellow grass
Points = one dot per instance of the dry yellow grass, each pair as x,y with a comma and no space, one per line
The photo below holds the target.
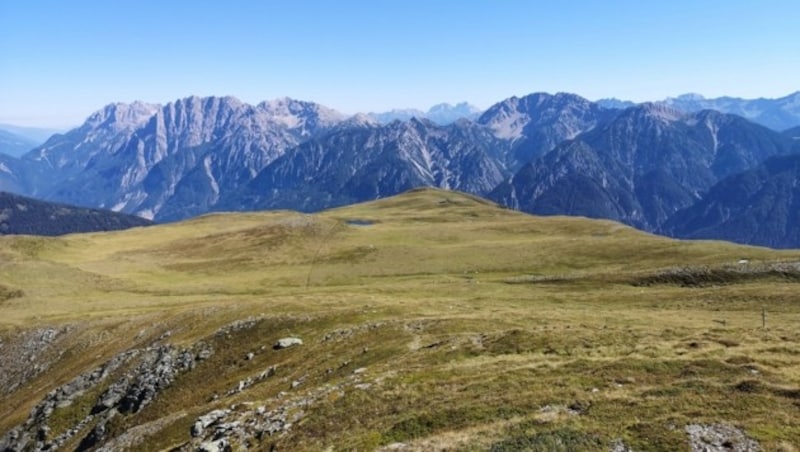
482,326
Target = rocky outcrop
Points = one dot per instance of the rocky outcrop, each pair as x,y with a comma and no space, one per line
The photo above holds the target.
157,368
29,354
246,426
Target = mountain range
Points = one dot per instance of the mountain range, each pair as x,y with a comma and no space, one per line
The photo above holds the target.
777,114
642,166
652,165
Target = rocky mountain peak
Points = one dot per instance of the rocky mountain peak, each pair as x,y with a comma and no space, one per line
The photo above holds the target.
659,111
121,116
297,113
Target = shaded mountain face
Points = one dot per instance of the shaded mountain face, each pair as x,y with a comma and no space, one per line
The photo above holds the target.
760,206
642,167
793,133
22,215
536,123
181,157
16,174
369,161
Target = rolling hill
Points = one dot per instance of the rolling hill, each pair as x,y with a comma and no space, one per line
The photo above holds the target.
427,321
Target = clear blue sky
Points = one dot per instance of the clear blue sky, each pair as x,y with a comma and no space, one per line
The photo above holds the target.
60,60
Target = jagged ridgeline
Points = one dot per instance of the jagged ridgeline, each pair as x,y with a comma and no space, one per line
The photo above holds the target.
426,321
651,165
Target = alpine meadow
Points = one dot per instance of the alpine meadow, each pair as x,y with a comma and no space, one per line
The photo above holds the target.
399,226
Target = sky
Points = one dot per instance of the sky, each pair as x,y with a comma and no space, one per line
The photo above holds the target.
62,60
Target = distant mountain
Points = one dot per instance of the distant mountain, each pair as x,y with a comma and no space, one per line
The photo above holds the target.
15,145
536,123
180,158
760,206
641,167
368,161
21,215
613,102
777,114
441,114
444,114
541,153
38,135
65,156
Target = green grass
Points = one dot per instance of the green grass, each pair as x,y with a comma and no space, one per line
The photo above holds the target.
480,328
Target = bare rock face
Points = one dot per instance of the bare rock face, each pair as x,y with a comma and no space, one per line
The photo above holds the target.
171,161
157,368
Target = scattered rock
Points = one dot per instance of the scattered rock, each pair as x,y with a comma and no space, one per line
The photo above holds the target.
346,333
238,325
249,356
204,354
221,445
157,368
247,428
206,420
287,342
619,446
719,438
29,354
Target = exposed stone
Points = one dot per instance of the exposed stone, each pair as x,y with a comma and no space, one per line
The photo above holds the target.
287,342
238,325
719,438
157,368
619,446
29,354
221,445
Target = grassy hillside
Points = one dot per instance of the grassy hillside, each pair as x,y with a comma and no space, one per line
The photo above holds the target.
430,320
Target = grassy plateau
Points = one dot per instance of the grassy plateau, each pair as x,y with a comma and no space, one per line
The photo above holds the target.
430,321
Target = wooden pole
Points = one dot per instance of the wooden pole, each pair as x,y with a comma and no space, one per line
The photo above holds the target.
764,318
